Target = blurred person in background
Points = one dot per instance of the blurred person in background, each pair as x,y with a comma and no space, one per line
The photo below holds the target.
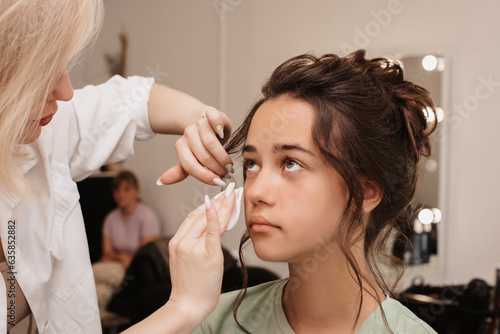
131,225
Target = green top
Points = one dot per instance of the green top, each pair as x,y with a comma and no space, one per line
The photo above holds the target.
262,312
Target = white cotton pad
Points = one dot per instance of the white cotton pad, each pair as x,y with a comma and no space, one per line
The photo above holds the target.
235,215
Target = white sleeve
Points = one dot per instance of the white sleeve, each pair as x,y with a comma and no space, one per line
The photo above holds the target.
100,123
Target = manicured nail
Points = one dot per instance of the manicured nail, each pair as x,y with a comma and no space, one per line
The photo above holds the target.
208,204
158,182
229,189
219,182
230,168
220,131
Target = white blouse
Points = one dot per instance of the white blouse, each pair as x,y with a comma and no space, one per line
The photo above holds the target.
44,237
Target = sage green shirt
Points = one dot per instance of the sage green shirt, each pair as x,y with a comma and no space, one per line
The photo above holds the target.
262,312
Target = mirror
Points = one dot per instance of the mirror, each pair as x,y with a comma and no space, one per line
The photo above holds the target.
426,219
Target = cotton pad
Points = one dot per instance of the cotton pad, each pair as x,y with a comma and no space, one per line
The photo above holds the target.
235,215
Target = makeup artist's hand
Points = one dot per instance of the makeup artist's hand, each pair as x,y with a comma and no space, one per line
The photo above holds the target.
196,259
200,150
196,267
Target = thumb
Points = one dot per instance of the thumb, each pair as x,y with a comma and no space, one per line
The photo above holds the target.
173,175
213,228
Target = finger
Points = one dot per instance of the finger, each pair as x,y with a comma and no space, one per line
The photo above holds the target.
201,147
212,242
173,175
219,122
224,204
195,223
189,222
190,165
214,147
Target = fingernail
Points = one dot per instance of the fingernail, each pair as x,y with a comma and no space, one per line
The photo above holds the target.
229,189
158,182
208,204
219,182
230,168
227,176
220,131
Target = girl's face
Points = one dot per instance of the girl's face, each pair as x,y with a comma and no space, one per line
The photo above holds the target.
125,195
63,91
293,198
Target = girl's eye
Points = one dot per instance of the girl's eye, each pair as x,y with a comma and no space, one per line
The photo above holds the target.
251,165
291,165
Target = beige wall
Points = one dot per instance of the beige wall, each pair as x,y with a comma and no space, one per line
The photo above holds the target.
187,39
177,43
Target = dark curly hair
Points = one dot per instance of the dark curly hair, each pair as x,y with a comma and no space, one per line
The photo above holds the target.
369,124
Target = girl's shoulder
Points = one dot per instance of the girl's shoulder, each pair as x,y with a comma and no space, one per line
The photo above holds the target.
261,308
399,318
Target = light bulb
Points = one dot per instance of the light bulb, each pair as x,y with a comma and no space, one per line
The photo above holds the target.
440,64
440,114
437,215
425,216
429,63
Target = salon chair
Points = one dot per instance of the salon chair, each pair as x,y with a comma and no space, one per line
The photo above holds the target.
451,309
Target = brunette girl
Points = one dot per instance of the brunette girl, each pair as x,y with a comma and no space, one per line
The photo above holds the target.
330,165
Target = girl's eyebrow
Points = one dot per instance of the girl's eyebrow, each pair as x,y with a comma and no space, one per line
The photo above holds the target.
291,147
249,149
279,148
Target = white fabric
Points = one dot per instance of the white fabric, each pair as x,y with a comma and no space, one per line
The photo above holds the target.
98,126
235,214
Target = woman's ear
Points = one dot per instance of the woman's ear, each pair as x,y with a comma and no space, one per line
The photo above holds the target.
373,196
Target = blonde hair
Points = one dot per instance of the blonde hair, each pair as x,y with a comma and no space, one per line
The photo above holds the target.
38,40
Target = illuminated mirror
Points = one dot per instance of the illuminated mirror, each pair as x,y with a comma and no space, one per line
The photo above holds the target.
425,230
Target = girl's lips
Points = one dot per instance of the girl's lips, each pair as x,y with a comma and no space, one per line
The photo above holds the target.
260,224
46,120
263,227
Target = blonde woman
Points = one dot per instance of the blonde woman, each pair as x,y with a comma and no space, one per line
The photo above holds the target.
51,137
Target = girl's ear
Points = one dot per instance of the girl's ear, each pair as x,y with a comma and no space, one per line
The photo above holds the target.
373,196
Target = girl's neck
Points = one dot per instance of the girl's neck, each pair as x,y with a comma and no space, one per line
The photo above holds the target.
322,296
128,210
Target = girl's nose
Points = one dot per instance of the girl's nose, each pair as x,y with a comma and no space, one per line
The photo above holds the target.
261,188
